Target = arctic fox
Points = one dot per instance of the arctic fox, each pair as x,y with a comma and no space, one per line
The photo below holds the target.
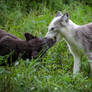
78,37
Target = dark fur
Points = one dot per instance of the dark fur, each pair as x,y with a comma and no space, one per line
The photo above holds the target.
28,48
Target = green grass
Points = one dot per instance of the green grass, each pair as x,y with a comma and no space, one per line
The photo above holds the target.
54,72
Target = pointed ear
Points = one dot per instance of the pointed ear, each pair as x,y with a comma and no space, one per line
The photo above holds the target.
58,14
29,36
65,17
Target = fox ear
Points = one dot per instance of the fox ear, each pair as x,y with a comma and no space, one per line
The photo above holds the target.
58,14
65,17
29,36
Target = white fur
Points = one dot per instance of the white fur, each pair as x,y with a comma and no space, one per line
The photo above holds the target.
66,32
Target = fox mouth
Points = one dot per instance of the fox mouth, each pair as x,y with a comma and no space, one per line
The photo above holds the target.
48,43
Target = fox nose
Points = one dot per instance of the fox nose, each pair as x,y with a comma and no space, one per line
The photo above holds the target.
48,42
48,35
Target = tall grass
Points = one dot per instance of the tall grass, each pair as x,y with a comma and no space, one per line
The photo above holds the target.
54,72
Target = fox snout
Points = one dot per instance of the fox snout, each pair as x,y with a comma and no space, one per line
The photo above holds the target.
48,43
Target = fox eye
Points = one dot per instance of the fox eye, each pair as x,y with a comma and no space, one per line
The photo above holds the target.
52,28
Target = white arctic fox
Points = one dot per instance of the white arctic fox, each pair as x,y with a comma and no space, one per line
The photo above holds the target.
78,38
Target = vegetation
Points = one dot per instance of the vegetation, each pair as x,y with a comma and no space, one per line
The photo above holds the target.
52,73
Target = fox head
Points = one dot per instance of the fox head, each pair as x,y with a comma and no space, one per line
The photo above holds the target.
37,44
58,25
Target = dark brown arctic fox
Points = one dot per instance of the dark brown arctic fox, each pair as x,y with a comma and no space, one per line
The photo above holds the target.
27,49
